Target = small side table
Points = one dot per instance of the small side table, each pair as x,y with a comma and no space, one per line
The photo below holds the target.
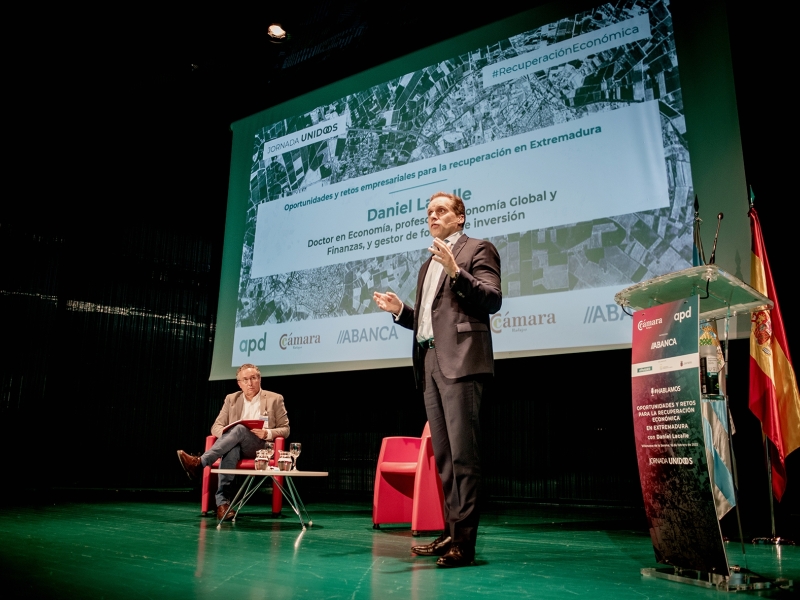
250,487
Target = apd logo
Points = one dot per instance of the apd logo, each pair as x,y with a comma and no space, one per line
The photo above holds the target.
253,344
684,314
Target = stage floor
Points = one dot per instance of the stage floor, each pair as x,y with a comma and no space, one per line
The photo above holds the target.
151,549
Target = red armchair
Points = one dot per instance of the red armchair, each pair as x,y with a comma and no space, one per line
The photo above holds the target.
407,485
210,479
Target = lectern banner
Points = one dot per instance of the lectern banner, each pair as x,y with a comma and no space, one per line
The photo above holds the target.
668,427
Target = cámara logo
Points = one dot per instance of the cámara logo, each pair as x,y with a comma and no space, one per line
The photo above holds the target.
520,323
290,341
648,324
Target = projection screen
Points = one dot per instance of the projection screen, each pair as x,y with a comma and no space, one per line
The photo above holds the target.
565,131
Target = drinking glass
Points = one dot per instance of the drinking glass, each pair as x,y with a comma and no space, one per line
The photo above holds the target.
262,462
270,447
285,461
294,450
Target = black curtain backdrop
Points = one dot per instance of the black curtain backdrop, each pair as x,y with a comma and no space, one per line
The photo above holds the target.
111,243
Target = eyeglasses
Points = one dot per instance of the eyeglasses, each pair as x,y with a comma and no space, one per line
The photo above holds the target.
253,379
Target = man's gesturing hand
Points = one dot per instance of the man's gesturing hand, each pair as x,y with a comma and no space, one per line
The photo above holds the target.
442,254
388,302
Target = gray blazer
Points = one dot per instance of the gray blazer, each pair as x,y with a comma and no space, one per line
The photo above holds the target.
271,405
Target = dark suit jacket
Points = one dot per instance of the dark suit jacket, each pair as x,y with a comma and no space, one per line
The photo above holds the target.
460,312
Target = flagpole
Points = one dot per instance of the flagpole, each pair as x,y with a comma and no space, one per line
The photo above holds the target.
775,540
769,483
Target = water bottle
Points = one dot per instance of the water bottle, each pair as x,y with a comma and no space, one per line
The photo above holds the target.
709,370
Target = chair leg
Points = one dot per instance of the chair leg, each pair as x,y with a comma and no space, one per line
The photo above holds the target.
277,497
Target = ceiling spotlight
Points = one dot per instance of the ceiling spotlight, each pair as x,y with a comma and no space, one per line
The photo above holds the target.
276,33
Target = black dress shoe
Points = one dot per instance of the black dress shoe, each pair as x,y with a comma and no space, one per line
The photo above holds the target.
191,464
437,547
457,556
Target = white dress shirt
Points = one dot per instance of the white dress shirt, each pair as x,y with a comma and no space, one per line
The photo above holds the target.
429,287
252,410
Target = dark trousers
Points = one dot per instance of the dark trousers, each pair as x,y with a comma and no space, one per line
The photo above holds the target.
238,443
453,407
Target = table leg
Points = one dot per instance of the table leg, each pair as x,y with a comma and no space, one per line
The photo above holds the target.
288,489
245,493
293,498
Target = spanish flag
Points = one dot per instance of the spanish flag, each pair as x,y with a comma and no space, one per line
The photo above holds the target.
774,398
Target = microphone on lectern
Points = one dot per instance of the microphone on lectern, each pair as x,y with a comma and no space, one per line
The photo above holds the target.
716,235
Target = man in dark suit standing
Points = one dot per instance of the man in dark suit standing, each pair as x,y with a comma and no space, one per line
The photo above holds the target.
458,287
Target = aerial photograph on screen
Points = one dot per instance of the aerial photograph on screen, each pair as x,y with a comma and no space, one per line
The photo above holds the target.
448,107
